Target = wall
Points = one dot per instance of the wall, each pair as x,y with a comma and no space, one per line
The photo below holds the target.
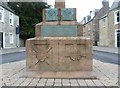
87,31
103,31
112,27
94,27
6,28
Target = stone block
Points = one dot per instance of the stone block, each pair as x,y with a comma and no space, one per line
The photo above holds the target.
66,29
38,30
58,49
80,29
58,54
58,31
60,4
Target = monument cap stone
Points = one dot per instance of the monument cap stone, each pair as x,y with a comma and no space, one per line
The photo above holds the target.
59,3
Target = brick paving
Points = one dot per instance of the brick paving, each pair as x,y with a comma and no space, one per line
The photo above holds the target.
10,75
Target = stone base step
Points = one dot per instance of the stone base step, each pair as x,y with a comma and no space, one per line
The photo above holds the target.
75,74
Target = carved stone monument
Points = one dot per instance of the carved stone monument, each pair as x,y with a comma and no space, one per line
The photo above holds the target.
59,50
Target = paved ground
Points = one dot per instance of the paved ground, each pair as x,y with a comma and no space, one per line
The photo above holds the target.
107,74
11,50
11,75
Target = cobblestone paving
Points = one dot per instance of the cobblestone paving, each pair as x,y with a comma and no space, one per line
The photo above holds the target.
10,75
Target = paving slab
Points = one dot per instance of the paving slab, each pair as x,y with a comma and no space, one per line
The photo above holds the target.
107,75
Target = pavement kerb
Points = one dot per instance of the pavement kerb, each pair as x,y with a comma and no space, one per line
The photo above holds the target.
106,51
12,50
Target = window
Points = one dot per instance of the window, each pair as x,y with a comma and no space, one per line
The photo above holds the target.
103,22
117,17
11,38
11,18
1,14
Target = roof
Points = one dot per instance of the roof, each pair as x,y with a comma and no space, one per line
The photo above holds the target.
115,4
103,16
4,5
96,11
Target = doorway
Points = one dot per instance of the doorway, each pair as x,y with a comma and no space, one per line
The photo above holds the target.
118,38
1,40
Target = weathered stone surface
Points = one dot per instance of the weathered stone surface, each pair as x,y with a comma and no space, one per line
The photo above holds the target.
59,54
59,50
59,3
59,31
76,29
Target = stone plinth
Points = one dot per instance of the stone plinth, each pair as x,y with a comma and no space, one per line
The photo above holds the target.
59,54
58,49
59,3
66,28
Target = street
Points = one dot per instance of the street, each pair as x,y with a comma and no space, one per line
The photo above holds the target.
102,56
106,57
13,57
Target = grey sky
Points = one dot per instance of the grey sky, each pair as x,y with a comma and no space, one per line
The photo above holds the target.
83,6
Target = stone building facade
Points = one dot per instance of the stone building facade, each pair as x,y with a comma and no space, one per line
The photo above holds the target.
93,22
114,25
103,31
110,32
87,32
9,27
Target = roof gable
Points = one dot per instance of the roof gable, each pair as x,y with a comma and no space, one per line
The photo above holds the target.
4,5
115,4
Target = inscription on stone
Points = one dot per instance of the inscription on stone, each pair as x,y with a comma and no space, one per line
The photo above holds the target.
59,31
67,14
51,14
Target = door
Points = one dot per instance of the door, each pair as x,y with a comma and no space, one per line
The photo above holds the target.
1,39
118,38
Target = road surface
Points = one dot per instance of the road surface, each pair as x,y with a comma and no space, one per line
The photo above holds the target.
102,56
11,57
106,57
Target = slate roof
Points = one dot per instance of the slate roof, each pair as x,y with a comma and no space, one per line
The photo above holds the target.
115,4
103,16
4,5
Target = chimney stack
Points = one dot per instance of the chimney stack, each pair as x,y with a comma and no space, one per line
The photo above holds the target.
105,3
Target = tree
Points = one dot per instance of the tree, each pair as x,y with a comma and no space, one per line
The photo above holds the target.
30,13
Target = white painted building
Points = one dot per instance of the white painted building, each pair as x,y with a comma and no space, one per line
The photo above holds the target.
9,27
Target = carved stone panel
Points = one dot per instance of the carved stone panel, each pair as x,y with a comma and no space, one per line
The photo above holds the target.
67,14
58,55
59,31
51,14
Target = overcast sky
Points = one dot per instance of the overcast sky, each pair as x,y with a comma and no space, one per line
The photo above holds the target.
83,6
